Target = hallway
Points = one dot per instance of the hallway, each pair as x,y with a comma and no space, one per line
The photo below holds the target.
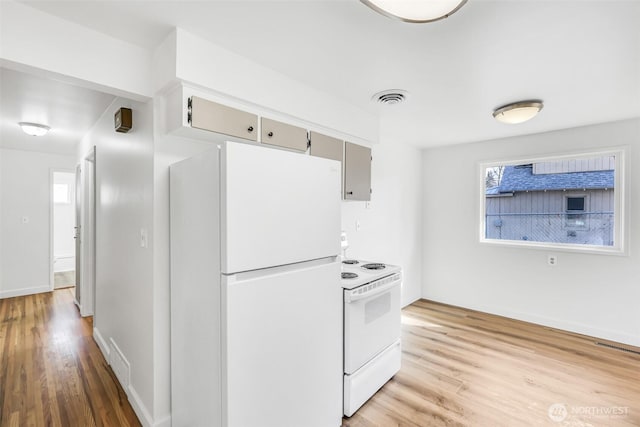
51,370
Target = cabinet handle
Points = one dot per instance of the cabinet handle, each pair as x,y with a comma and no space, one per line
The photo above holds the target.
250,129
350,193
270,134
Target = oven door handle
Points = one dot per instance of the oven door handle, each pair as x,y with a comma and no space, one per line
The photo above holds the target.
351,297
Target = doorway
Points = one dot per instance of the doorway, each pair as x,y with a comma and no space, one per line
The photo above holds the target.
86,234
63,222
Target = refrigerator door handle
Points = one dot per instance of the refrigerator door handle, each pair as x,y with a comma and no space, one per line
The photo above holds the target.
252,274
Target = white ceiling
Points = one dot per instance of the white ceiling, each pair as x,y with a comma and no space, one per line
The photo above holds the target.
581,57
69,110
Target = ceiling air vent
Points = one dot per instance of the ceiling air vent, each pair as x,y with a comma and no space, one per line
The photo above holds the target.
390,97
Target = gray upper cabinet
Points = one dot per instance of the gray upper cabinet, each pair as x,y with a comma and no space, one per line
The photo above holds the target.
283,135
214,117
357,172
326,146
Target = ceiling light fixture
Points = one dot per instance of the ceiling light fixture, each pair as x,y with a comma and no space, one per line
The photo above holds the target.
34,129
416,11
518,112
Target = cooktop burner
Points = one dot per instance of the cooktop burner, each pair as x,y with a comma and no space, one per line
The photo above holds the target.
374,266
350,261
347,275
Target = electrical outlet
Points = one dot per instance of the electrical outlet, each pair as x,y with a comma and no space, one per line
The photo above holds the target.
552,260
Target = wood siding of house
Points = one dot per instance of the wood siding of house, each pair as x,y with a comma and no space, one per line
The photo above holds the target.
542,216
575,165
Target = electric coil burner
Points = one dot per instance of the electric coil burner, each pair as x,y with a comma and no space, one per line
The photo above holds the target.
350,261
348,275
374,266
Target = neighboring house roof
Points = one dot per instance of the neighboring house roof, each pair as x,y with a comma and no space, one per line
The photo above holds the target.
521,178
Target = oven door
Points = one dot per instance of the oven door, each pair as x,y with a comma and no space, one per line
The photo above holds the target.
371,323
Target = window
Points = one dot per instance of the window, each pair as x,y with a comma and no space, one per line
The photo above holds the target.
576,218
571,202
61,194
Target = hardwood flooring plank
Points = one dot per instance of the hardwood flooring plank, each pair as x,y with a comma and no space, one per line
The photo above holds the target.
460,368
463,367
52,372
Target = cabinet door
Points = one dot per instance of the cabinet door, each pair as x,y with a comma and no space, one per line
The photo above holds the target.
214,117
283,135
357,172
326,146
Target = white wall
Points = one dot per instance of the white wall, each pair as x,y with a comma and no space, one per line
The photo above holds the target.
586,293
124,309
25,248
30,38
391,230
187,57
63,223
168,150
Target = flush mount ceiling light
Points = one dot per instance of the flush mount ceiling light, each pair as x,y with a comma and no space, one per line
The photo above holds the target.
34,129
390,96
518,112
416,11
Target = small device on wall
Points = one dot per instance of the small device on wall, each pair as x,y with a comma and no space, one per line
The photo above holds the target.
123,120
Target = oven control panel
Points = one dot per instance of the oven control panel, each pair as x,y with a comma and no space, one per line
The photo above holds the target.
373,288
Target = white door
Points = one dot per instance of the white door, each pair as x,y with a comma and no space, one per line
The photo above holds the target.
284,346
85,290
278,207
77,233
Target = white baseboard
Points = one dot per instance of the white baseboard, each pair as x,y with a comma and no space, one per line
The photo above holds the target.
102,344
24,291
550,322
143,414
138,407
578,328
164,422
134,399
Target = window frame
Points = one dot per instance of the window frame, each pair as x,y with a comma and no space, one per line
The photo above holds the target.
620,210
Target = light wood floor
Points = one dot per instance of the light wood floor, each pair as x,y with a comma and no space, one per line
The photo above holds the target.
51,371
459,368
465,368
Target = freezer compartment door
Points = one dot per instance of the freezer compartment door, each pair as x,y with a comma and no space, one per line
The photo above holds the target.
278,208
283,340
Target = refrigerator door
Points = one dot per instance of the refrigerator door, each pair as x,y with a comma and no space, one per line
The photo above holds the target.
278,207
283,340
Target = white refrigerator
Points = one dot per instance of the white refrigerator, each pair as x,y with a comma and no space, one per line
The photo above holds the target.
256,300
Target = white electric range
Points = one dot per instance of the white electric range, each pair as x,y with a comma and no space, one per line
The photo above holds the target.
372,350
